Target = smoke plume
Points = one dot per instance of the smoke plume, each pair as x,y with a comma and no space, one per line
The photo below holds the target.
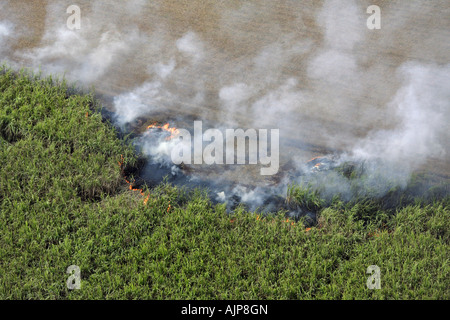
313,70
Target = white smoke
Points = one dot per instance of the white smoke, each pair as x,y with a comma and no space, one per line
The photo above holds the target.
5,29
313,70
6,32
167,88
139,102
191,45
422,106
78,56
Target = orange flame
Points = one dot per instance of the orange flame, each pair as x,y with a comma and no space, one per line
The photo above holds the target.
173,131
373,234
292,222
130,185
314,158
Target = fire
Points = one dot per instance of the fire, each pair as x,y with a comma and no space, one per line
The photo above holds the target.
290,221
130,185
320,163
315,158
173,131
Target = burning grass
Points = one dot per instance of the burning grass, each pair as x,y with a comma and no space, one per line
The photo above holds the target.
64,201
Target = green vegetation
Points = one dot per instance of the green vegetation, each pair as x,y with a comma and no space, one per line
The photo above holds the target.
304,197
63,202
